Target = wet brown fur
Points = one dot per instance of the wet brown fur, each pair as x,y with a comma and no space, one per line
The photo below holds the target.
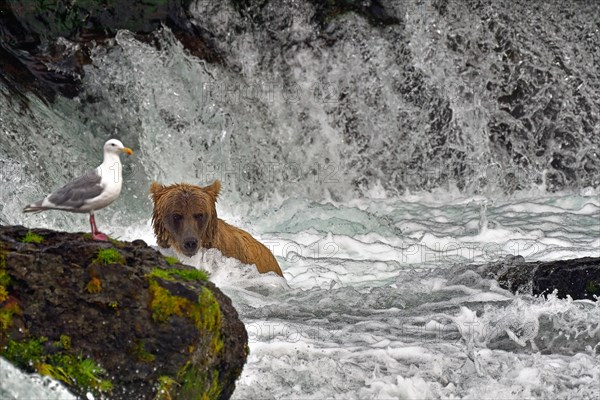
182,211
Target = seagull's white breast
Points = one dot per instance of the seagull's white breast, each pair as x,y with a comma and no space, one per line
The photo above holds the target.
112,181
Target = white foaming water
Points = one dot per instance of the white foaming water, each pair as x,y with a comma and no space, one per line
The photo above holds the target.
371,306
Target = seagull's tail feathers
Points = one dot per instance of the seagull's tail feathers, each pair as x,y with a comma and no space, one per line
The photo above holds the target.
35,207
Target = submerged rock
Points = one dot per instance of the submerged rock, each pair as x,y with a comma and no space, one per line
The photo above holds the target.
116,319
578,278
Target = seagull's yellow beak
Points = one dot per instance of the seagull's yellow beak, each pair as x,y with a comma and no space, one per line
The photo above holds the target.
127,150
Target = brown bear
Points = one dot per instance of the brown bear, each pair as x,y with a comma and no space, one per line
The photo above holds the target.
185,217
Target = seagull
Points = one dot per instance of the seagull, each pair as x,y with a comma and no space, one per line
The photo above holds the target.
90,192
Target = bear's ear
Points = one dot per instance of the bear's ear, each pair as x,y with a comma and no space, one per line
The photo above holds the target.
156,190
214,189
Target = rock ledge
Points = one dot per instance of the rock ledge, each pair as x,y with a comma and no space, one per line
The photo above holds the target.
115,319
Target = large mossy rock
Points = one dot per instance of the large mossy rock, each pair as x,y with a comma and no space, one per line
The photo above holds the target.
115,319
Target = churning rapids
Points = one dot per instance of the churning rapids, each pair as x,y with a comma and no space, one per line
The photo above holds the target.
375,169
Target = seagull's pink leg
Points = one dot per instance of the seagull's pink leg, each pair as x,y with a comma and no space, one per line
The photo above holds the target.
96,235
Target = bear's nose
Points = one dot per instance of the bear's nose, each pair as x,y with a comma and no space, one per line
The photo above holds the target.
190,244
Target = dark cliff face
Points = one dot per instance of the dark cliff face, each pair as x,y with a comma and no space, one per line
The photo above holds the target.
116,319
44,46
34,55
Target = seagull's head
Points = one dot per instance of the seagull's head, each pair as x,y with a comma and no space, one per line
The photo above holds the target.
115,146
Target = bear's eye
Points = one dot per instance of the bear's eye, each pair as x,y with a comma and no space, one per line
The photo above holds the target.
177,218
199,217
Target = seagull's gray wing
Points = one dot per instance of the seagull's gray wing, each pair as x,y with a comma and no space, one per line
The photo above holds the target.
75,193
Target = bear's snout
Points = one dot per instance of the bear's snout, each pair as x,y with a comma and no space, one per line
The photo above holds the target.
190,245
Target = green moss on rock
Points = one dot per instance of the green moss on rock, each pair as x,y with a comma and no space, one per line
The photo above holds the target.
74,370
209,319
32,237
65,342
193,381
109,256
143,355
24,353
5,322
185,274
79,371
592,287
171,260
4,281
206,314
163,304
8,307
193,378
166,388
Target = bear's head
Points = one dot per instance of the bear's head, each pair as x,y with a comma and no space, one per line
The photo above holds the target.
184,215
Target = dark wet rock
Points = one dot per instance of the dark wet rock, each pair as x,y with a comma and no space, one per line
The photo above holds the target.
578,278
115,318
44,45
374,11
